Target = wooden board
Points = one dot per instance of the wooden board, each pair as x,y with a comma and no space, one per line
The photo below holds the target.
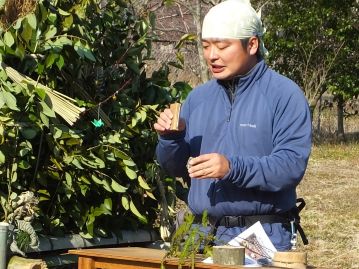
131,258
135,257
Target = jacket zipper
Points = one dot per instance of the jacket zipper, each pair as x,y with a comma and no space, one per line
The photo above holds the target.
231,89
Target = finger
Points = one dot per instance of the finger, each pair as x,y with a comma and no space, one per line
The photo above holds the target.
200,159
168,113
159,127
164,122
199,174
199,170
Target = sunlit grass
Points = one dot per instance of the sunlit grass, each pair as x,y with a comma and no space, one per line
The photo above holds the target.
331,217
335,151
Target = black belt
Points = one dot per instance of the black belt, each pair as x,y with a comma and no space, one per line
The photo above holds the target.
245,221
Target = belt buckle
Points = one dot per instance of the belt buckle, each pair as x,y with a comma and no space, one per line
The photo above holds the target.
241,221
227,221
234,221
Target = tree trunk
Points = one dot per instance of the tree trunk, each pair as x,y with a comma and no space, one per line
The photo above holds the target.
202,62
319,115
340,118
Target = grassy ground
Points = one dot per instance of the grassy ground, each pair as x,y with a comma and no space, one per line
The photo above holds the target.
331,217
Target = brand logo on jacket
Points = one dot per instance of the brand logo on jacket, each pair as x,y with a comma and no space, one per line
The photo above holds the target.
248,125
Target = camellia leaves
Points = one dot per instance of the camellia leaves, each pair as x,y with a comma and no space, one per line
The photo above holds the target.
85,180
121,154
125,203
130,173
9,39
47,110
51,32
26,33
96,179
23,164
68,179
73,141
108,204
106,185
60,42
184,38
60,62
2,100
2,157
99,54
117,187
43,195
150,194
133,66
10,100
63,12
50,59
45,120
31,19
77,163
84,51
29,133
135,211
57,133
18,23
41,93
143,183
68,21
24,152
84,189
129,162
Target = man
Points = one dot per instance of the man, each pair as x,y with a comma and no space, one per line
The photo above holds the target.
248,131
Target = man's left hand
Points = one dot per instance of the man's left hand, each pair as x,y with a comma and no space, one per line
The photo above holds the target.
212,165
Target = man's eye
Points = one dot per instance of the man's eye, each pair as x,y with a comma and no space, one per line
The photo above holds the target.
221,47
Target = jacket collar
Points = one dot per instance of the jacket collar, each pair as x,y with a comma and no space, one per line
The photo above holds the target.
241,83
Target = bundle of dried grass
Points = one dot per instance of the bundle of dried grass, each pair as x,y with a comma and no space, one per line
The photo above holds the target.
14,9
60,103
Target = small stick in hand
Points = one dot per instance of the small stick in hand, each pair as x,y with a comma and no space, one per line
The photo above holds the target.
175,109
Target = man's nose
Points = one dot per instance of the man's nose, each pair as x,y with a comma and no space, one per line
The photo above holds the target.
213,54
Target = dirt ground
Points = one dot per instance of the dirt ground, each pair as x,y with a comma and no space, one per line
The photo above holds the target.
331,217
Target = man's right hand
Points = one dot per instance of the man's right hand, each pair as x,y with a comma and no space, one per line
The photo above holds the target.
163,124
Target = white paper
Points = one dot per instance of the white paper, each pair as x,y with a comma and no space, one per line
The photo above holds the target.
259,248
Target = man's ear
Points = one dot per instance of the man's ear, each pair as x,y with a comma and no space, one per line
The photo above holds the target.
253,45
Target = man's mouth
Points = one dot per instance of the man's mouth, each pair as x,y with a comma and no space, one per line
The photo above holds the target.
217,68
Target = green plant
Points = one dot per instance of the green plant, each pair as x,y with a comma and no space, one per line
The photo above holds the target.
97,173
189,240
23,240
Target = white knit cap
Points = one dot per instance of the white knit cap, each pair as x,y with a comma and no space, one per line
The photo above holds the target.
234,19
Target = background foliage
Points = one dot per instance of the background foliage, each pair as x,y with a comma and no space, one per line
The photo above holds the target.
100,172
316,44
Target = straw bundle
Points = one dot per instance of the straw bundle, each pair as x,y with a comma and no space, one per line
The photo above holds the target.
61,104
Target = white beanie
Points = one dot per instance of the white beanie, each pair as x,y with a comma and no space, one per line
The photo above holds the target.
234,19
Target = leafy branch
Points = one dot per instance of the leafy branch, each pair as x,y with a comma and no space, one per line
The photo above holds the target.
189,240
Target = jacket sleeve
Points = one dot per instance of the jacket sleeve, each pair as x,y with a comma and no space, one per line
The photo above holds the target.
285,166
173,150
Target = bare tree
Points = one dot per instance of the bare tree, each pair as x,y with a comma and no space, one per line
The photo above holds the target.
314,75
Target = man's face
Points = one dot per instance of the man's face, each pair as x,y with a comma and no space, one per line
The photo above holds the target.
227,58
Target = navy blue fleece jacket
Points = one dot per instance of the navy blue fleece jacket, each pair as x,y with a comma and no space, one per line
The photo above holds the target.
264,130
